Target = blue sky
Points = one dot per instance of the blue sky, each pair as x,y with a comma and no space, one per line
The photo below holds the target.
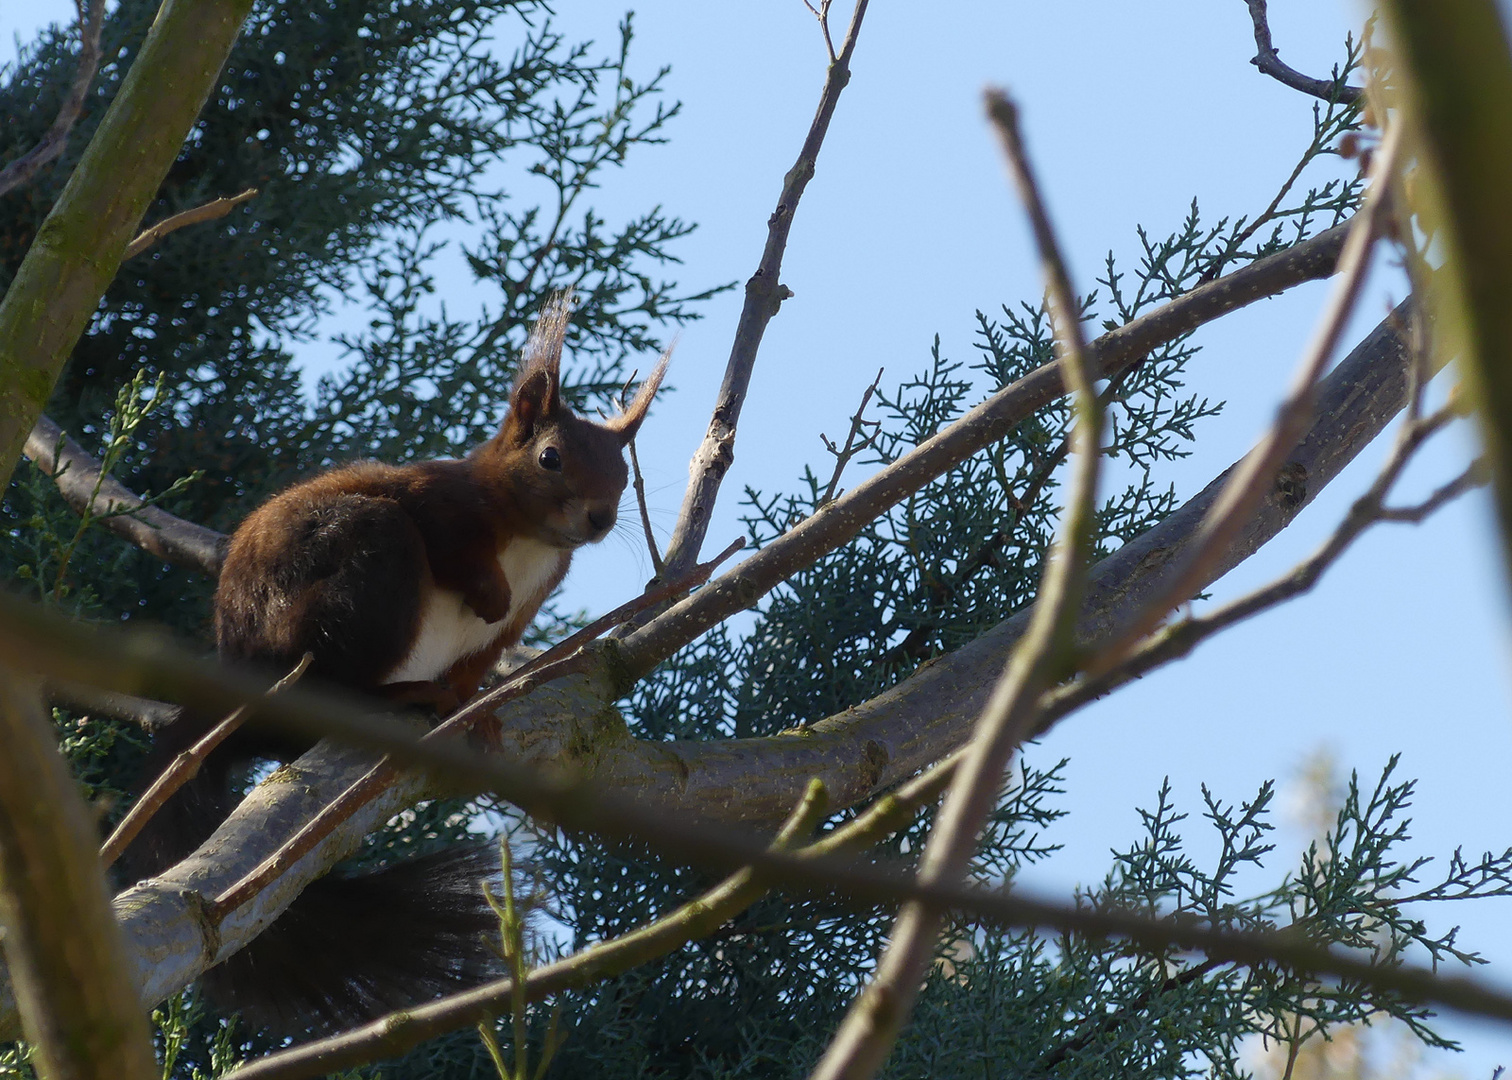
908,228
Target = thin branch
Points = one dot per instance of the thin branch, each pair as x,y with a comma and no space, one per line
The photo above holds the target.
764,294
554,662
151,716
843,455
78,477
1251,948
640,488
1476,474
866,1036
210,211
563,658
22,169
645,513
988,422
1269,62
181,770
1256,475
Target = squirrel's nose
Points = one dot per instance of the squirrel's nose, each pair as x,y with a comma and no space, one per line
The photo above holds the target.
602,520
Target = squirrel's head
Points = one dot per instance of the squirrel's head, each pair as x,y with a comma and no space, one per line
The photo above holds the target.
565,473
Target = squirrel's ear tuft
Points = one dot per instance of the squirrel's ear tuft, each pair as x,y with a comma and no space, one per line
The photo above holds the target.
627,423
537,391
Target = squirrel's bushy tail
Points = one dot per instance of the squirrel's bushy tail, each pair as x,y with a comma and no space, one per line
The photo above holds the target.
353,945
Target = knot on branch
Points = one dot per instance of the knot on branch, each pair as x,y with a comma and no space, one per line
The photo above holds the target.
1291,485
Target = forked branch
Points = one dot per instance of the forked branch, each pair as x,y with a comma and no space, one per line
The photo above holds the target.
764,294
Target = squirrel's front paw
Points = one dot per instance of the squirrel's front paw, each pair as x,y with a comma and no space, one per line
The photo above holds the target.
490,605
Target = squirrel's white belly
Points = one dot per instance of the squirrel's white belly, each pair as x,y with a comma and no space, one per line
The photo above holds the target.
450,630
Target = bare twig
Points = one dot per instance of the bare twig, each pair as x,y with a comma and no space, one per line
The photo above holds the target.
1256,475
151,716
640,488
1476,474
764,294
822,14
867,1034
1112,353
78,477
844,454
210,211
645,513
21,170
181,770
1267,60
562,659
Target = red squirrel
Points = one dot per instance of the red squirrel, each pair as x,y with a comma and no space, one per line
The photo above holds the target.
410,580
405,581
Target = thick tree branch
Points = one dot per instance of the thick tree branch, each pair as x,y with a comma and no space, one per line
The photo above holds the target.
22,169
842,519
764,294
79,246
1256,475
1269,62
1180,638
75,986
150,528
567,725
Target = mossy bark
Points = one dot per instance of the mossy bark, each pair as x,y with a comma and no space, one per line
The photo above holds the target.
79,247
75,983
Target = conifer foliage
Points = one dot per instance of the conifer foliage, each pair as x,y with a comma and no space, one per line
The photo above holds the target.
383,137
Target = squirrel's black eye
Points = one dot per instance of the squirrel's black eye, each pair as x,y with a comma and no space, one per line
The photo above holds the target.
550,459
